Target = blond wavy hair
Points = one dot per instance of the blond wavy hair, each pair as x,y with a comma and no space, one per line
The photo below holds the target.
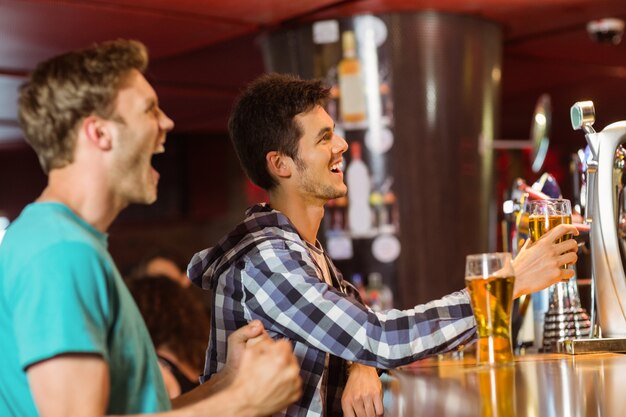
67,88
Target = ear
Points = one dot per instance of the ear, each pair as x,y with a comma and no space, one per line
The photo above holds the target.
98,132
278,164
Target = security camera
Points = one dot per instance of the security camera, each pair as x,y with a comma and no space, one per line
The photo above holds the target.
606,30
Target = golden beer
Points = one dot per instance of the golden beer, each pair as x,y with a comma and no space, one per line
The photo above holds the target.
497,392
492,301
540,224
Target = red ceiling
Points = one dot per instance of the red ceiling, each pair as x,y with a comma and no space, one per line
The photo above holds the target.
203,51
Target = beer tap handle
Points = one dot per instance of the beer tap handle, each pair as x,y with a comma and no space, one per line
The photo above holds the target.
583,115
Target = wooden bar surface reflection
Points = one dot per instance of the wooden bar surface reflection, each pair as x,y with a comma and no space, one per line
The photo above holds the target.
542,385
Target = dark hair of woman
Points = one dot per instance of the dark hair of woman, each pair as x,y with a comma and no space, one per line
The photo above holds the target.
176,320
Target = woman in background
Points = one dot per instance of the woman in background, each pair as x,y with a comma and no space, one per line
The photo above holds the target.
178,326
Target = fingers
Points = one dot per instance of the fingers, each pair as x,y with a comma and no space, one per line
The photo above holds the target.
265,346
369,408
569,228
378,406
559,231
282,352
359,408
263,337
278,356
353,407
237,343
348,411
284,348
567,251
569,245
541,264
269,377
567,258
243,334
363,406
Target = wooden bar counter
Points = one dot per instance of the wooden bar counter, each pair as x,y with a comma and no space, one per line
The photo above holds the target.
541,385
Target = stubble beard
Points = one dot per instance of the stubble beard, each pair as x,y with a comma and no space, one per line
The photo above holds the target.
312,187
137,190
133,184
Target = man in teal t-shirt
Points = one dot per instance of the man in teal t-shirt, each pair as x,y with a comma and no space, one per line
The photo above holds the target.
72,342
64,295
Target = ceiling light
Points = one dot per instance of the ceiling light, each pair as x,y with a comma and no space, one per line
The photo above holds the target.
607,30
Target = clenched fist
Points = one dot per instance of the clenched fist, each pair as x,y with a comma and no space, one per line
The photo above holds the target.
268,376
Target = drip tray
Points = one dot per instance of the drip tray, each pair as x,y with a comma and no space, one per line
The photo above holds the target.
580,346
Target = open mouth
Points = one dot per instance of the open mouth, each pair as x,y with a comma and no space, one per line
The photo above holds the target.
155,175
336,168
153,172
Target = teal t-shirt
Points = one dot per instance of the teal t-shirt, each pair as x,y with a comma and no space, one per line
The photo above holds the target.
60,292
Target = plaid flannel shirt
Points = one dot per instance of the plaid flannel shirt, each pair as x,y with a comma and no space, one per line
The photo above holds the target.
263,270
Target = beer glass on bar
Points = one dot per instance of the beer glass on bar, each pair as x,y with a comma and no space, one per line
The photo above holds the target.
489,278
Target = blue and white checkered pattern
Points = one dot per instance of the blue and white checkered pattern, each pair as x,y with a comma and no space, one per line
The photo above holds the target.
263,270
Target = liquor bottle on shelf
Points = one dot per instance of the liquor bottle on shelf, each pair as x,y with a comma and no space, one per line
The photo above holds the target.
358,181
378,294
393,216
351,91
378,206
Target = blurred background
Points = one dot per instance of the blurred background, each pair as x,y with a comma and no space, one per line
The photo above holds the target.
203,52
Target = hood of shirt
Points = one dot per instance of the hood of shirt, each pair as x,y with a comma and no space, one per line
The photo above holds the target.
261,223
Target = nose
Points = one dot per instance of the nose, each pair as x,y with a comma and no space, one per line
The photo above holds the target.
340,145
165,123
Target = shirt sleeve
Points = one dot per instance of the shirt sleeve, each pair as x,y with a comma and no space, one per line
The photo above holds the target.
60,304
283,291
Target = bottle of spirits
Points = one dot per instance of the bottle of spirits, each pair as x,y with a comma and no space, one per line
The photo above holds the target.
351,89
391,205
380,211
358,181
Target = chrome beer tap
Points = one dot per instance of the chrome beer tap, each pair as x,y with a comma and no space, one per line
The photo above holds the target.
605,203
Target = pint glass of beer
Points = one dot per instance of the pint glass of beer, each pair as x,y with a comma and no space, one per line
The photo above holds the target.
546,214
489,278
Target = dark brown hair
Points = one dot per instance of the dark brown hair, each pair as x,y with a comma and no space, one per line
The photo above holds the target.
263,121
174,317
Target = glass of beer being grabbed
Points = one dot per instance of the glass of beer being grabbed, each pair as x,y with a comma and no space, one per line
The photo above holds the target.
546,214
489,278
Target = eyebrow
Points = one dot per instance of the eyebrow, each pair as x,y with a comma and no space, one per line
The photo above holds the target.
324,130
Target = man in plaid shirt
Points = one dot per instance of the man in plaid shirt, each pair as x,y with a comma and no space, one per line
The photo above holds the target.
272,268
